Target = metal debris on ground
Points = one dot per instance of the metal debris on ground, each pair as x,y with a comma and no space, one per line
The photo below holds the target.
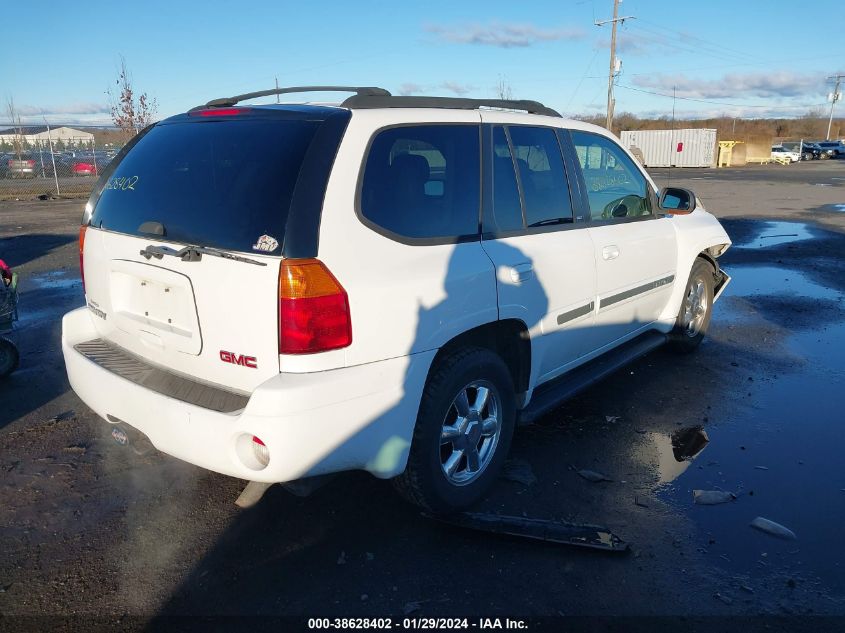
723,598
612,418
519,471
550,531
775,529
64,415
712,497
592,475
638,501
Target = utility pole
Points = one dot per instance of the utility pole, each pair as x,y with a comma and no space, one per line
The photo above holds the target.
277,87
611,102
833,99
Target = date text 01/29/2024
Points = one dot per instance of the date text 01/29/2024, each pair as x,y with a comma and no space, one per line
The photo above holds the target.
421,623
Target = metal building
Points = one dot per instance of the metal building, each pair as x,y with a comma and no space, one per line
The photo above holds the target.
673,148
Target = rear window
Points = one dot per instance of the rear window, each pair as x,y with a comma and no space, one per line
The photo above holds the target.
222,183
424,182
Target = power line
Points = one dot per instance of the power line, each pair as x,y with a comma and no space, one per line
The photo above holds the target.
766,63
581,81
737,105
715,48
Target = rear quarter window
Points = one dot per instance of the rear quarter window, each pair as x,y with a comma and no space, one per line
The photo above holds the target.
423,182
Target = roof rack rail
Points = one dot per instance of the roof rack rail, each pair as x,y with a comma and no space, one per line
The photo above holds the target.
368,91
365,101
368,97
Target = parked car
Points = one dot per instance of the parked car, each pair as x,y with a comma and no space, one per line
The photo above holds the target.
21,166
284,291
808,151
835,149
779,151
811,151
88,165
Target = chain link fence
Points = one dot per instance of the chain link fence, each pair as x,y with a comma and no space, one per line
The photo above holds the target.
54,160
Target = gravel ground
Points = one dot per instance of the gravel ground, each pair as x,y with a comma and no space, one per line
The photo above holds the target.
94,535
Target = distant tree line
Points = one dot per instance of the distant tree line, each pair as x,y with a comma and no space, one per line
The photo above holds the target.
810,126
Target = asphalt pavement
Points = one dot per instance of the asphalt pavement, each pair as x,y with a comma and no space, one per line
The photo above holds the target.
93,534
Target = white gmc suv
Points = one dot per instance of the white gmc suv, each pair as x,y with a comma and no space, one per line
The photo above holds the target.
391,284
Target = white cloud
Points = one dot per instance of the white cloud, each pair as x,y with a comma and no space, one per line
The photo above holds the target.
64,109
502,35
457,88
410,89
738,85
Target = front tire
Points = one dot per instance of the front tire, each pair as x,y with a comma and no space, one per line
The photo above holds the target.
696,309
463,432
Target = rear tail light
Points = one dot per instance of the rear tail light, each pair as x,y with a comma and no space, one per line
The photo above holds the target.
313,309
30,163
82,230
260,451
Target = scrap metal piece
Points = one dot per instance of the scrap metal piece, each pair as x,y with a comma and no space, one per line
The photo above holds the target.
550,531
775,529
712,497
252,494
595,477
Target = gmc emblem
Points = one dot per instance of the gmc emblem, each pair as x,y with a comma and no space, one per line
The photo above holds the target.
238,359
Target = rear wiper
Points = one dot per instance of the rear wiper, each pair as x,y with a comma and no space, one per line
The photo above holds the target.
551,221
194,254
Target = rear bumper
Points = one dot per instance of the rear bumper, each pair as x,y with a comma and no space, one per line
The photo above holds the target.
354,418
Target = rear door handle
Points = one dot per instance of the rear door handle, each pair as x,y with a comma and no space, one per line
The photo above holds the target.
521,272
610,252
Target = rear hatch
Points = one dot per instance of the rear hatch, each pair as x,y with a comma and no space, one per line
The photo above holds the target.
187,231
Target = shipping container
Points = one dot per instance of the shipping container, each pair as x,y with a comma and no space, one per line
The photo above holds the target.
673,148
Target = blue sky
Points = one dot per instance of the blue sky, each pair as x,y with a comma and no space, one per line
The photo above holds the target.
740,58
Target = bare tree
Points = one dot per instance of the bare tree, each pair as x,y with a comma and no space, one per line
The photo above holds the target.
18,140
503,89
131,111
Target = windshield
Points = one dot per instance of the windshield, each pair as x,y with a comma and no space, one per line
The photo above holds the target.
224,183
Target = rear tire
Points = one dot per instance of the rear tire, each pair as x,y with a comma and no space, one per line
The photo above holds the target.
463,432
9,357
696,309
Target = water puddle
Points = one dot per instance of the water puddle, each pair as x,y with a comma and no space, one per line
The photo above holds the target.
775,441
747,281
775,233
46,296
58,280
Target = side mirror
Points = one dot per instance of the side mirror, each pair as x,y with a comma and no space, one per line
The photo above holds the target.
676,201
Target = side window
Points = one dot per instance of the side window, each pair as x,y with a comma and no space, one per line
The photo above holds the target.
507,208
424,181
615,187
542,176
